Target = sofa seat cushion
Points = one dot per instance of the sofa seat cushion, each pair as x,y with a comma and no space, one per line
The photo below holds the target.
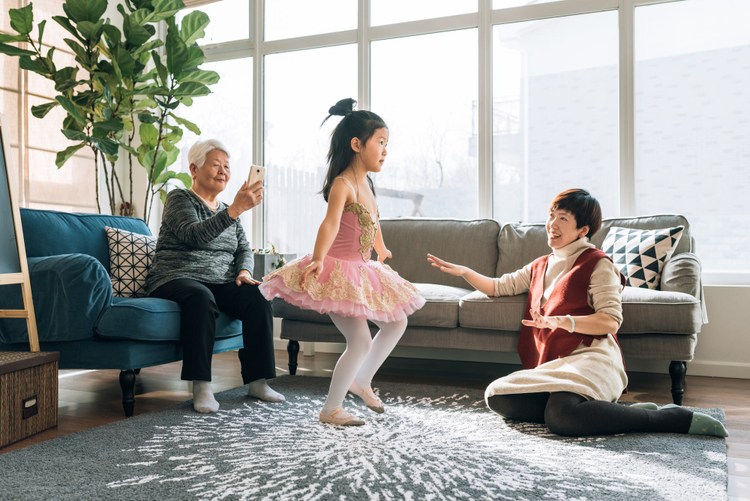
647,311
441,309
478,311
152,319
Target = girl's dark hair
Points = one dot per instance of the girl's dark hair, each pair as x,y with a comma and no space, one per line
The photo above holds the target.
360,124
583,206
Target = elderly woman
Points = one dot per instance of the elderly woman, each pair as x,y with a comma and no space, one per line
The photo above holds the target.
202,263
573,368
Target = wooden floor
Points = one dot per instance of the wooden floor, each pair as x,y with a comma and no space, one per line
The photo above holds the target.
93,398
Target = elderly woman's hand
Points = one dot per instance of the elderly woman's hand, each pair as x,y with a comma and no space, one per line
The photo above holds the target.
246,278
246,198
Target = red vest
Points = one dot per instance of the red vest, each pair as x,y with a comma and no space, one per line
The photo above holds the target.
569,297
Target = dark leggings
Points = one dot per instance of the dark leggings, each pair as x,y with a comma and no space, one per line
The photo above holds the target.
200,304
572,415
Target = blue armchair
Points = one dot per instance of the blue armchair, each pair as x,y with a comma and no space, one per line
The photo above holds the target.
76,312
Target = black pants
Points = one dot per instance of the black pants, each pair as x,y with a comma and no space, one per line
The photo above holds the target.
201,304
572,415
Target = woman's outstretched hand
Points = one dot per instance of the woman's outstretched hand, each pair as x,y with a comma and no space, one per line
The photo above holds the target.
450,268
246,278
541,322
315,268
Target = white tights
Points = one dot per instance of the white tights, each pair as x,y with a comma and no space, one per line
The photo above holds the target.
363,355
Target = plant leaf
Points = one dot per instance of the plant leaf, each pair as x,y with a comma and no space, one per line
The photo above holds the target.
36,65
164,9
142,16
148,134
135,34
64,156
12,50
65,23
205,77
147,119
195,58
41,30
163,196
68,105
111,125
165,176
187,123
22,20
159,165
191,89
129,149
108,146
193,27
153,44
41,110
90,31
13,38
177,51
185,178
112,33
124,60
85,10
81,55
161,70
74,135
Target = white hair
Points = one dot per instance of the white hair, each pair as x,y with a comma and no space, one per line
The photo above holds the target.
198,152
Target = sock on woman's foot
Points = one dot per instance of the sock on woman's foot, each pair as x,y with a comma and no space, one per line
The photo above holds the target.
645,405
203,397
703,424
260,389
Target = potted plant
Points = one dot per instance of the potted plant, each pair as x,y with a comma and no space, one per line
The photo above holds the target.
268,259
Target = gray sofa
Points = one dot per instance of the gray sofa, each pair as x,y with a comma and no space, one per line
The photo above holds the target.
658,324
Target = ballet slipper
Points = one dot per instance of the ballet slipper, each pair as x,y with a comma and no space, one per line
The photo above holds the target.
371,400
341,418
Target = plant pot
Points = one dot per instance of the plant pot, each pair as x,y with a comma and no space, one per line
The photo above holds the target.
266,263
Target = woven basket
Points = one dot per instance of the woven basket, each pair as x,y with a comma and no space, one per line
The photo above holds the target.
28,394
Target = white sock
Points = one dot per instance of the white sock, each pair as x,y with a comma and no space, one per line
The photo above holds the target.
358,343
203,397
382,346
260,389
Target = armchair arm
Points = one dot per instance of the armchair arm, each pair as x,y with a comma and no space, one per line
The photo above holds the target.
682,273
70,292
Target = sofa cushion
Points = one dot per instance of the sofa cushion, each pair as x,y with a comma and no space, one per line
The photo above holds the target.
153,319
69,291
472,243
640,254
647,311
130,256
441,309
478,311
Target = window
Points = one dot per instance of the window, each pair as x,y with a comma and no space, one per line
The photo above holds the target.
225,114
691,127
425,88
295,143
555,113
504,4
230,20
398,11
299,18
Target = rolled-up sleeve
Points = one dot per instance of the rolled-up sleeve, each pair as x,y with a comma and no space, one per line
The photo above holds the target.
605,290
514,283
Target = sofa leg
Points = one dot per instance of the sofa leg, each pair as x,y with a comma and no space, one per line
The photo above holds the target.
677,371
293,349
127,383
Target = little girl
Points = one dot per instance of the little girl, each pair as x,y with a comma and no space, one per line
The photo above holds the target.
339,278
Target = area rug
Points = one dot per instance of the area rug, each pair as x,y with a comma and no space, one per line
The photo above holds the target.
433,442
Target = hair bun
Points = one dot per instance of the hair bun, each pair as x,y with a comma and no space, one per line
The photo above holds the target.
341,108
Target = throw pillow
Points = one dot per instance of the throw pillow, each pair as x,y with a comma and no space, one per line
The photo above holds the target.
640,254
130,256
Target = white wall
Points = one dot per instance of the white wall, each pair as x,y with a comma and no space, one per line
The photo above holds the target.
723,345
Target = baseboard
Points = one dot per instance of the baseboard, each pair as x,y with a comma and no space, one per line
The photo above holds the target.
709,368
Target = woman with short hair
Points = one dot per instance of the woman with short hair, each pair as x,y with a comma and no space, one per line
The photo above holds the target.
203,263
573,371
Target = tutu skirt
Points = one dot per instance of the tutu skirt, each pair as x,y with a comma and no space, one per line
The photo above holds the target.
361,289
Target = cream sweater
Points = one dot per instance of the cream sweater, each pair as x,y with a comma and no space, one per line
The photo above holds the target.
605,290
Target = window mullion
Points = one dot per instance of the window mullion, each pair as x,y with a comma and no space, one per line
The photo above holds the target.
627,108
363,55
484,129
258,229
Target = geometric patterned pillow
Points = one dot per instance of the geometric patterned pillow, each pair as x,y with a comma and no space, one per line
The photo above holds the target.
130,256
640,254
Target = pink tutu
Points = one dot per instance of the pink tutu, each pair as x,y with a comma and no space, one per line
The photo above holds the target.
350,284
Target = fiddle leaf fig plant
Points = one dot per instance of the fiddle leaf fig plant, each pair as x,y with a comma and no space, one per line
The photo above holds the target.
123,91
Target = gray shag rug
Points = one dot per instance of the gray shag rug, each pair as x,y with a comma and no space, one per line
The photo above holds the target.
433,442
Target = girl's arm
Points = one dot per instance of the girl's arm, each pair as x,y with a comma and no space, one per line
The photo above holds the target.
481,283
329,228
383,252
595,324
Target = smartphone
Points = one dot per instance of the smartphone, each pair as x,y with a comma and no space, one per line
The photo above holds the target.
257,173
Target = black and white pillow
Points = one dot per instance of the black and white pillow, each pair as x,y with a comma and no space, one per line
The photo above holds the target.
640,254
130,256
